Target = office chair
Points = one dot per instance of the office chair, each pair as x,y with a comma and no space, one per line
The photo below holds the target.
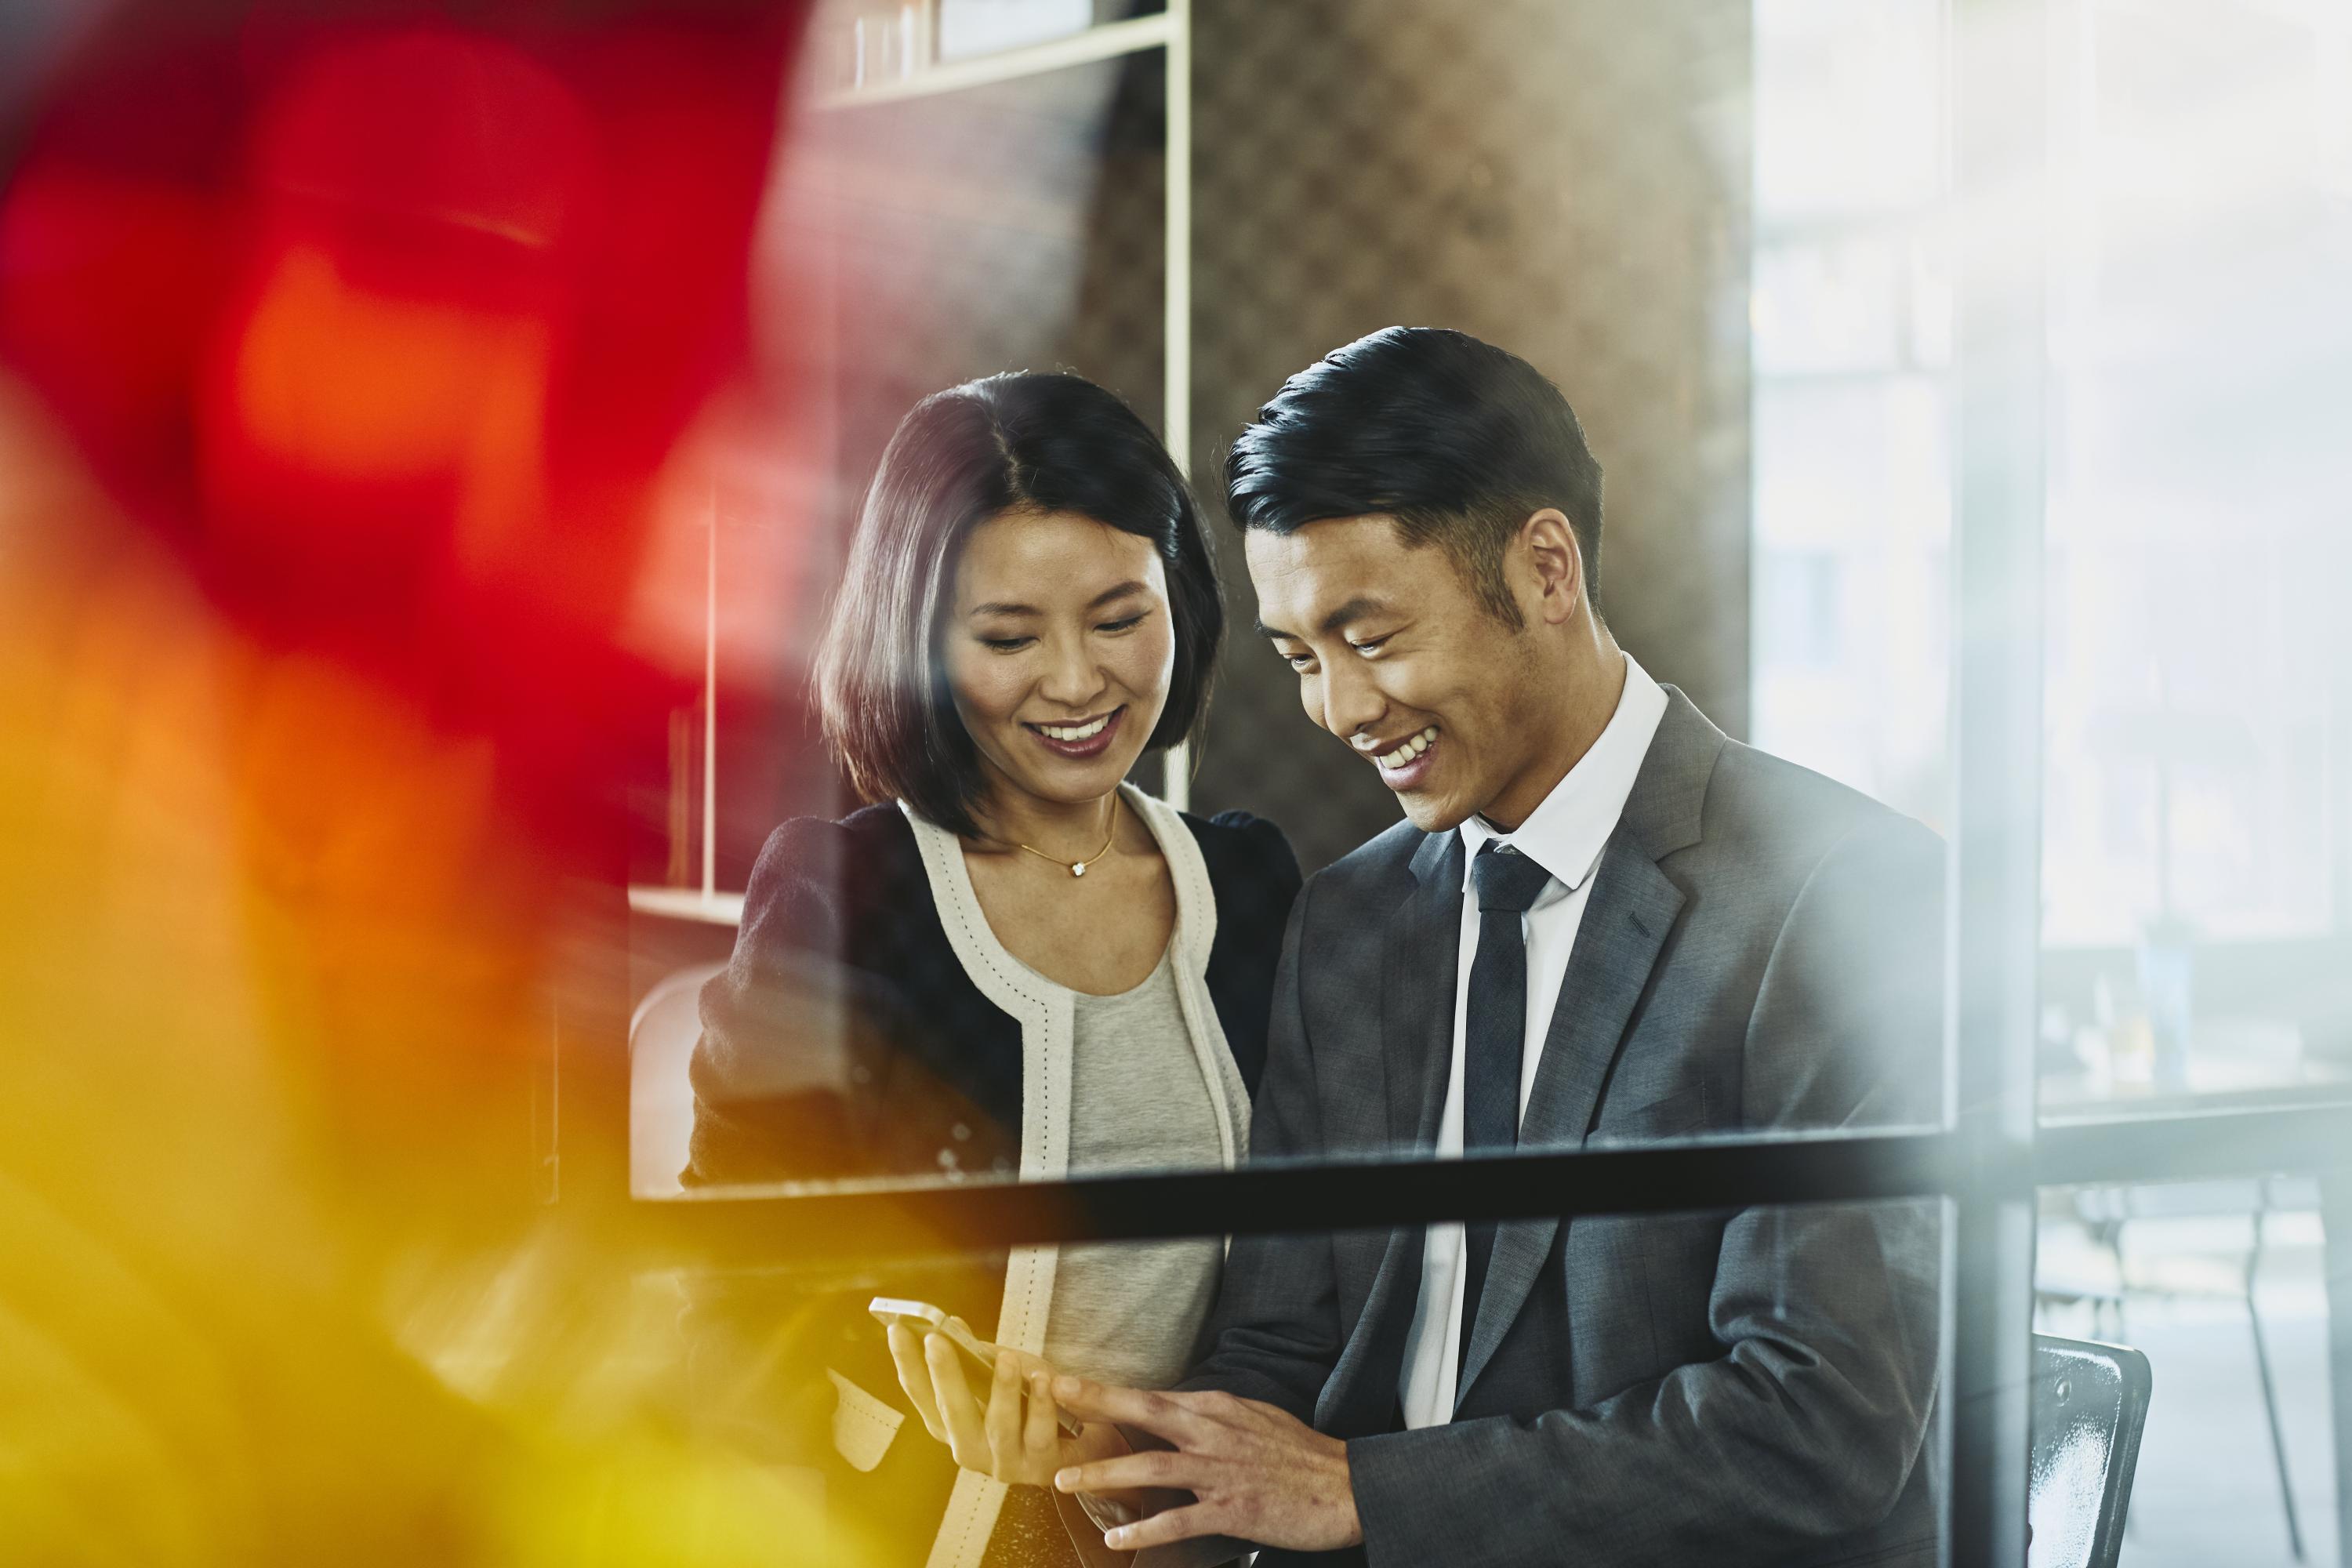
2105,1212
2090,1402
662,1032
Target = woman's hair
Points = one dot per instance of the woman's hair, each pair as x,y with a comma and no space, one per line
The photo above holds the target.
1020,442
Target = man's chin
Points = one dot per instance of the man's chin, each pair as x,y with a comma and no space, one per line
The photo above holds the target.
1433,813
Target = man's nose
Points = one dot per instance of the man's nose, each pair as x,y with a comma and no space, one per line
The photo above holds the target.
1350,703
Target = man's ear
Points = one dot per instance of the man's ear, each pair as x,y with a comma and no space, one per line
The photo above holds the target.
1549,541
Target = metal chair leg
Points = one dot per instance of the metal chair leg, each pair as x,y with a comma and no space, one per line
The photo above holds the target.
2112,1232
2270,1395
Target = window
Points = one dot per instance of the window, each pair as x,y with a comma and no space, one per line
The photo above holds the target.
2209,789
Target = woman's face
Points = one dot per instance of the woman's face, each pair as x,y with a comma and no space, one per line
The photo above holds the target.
1059,649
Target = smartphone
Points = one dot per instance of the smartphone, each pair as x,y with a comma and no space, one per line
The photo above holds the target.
922,1318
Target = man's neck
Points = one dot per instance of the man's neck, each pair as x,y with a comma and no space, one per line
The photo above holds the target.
1590,702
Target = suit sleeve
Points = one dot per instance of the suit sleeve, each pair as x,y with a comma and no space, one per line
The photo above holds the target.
1274,1333
1807,1427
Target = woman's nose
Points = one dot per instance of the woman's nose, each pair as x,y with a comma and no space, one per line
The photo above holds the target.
1072,676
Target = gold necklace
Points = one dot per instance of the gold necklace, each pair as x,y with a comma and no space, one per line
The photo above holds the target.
1079,867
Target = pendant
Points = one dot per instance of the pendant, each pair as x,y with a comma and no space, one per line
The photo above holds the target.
1078,868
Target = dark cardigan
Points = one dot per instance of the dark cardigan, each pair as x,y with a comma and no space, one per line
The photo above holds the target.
839,916
845,1038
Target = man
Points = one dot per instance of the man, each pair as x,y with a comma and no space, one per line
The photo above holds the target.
1603,920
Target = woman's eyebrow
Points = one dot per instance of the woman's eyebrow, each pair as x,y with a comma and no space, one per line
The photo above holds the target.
999,607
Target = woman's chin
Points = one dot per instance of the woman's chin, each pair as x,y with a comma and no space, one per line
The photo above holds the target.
1078,786
1068,781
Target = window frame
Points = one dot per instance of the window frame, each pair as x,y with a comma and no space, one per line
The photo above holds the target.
1987,1161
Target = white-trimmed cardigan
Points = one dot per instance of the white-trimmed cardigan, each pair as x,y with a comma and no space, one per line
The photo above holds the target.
954,1058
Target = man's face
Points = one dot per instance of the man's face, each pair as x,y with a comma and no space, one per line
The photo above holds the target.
1397,657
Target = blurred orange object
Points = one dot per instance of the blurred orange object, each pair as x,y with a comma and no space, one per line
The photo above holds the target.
343,351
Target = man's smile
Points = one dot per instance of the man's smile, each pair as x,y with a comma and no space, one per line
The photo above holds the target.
1405,764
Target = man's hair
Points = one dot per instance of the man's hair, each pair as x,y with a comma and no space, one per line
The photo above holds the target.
1457,440
1026,441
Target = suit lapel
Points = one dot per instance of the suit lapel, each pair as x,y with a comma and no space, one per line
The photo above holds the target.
1418,973
1362,1391
1632,908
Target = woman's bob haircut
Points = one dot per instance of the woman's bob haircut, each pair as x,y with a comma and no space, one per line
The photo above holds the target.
1025,441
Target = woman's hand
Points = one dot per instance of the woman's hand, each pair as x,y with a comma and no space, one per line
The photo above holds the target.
1016,1438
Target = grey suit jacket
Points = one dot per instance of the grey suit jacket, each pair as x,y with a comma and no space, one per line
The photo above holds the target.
1762,950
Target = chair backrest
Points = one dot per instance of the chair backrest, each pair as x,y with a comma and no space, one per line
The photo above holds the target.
662,1033
2090,1402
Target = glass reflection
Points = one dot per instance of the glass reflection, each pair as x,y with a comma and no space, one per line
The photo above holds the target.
2223,1285
2196,674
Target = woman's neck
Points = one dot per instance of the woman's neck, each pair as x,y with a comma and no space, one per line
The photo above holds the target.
1068,830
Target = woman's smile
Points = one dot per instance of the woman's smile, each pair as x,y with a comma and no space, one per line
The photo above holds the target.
1080,738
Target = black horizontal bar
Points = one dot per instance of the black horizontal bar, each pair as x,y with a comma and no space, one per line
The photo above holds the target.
833,1227
824,1227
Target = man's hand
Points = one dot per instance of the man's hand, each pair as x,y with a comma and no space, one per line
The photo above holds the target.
1256,1472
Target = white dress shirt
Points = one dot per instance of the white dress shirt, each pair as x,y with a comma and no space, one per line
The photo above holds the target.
1565,835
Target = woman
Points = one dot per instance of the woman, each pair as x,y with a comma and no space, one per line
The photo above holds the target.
1014,961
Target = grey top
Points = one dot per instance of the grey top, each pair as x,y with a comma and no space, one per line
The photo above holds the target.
1130,1313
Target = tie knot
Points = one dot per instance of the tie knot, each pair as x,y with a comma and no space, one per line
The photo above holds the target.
1506,880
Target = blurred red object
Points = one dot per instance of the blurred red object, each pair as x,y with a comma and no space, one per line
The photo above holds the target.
387,318
344,351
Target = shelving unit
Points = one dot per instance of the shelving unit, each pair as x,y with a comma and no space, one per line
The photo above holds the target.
687,904
1108,41
1170,31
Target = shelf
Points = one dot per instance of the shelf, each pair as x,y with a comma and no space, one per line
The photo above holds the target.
1108,41
687,904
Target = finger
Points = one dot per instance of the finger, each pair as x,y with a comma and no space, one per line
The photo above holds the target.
1152,1468
1003,1418
959,1412
915,1378
1172,1524
1168,1414
1039,1434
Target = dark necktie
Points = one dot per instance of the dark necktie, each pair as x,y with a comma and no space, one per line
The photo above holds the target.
1493,1038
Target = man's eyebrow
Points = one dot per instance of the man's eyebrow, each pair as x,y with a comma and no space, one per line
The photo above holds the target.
1361,607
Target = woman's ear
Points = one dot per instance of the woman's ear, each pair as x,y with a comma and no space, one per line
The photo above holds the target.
1550,544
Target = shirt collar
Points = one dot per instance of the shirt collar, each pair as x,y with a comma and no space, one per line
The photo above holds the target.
1567,831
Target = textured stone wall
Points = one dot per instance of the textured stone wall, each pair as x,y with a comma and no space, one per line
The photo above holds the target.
1568,180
